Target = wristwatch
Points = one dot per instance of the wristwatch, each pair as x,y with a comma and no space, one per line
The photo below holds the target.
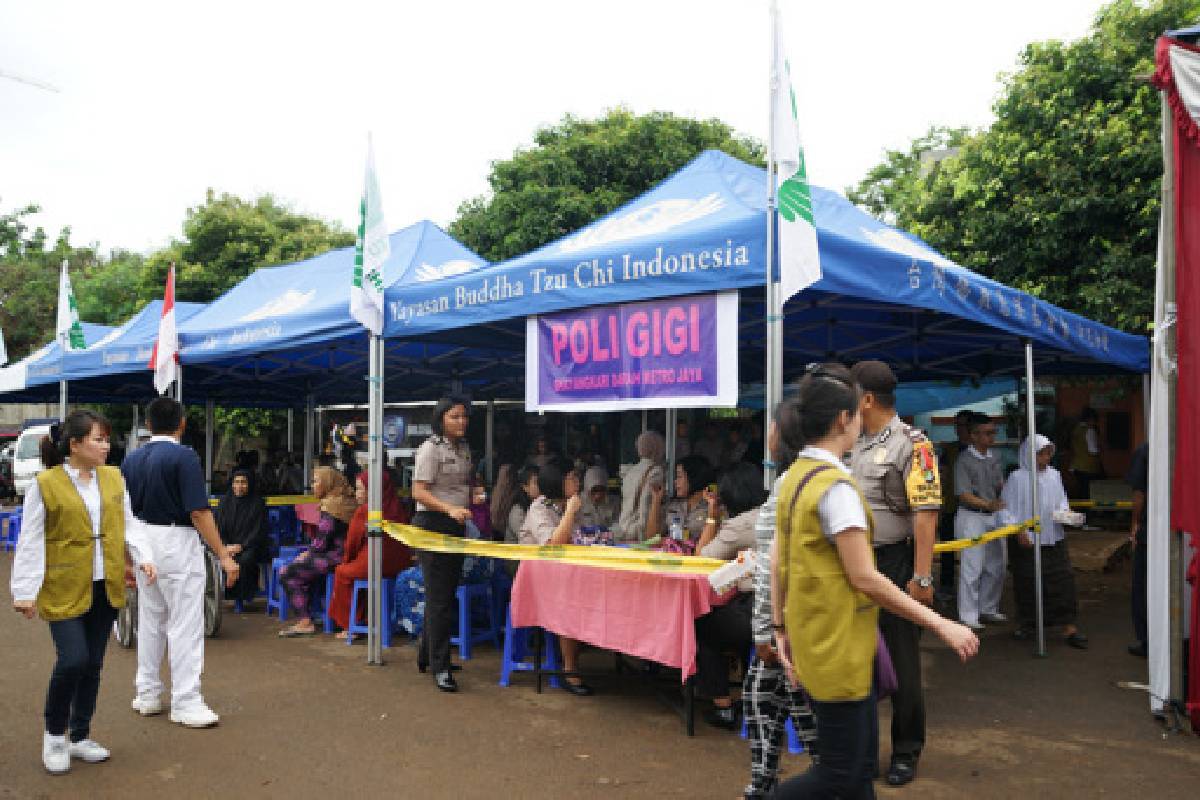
924,581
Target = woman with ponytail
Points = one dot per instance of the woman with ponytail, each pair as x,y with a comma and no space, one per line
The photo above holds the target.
826,592
79,532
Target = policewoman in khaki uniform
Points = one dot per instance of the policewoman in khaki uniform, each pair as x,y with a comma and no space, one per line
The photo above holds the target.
826,591
442,491
897,470
70,569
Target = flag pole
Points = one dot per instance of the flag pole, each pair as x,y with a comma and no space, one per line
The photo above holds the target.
770,387
375,619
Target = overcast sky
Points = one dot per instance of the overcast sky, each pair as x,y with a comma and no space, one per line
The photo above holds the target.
158,101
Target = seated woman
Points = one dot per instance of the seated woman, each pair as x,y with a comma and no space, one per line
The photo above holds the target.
693,474
513,493
324,553
727,628
552,519
638,483
1058,577
241,519
396,555
599,509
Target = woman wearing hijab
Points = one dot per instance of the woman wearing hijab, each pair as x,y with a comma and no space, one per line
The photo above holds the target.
599,509
324,553
396,555
1058,577
638,485
242,522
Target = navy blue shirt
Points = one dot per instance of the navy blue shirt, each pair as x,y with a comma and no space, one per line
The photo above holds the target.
165,483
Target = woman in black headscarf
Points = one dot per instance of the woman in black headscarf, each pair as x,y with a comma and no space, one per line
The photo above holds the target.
242,521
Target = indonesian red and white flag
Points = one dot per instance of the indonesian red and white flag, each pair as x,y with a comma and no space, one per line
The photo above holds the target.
165,358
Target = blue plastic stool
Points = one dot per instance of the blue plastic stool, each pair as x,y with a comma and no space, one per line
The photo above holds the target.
468,635
12,530
388,594
517,653
275,598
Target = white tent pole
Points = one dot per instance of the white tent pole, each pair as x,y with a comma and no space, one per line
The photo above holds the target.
672,437
489,451
309,435
62,401
179,383
209,419
132,444
771,388
375,502
1030,434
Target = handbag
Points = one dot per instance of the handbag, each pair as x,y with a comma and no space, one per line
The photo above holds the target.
886,682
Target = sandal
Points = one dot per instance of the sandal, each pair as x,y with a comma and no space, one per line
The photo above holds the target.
294,632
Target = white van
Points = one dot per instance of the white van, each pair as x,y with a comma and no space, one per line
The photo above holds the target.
27,460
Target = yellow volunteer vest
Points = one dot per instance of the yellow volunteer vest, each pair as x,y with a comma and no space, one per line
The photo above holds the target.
832,627
67,588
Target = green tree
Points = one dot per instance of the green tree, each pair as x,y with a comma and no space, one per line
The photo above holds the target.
28,282
1060,195
226,238
580,170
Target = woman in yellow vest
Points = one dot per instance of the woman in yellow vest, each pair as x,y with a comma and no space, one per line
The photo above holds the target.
70,569
826,592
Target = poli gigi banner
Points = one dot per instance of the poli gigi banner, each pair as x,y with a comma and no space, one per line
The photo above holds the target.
678,352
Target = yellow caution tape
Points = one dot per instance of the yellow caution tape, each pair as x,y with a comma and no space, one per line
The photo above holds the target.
277,500
999,533
614,557
1095,504
374,516
581,555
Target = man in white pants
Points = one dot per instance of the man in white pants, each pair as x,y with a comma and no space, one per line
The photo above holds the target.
978,480
168,497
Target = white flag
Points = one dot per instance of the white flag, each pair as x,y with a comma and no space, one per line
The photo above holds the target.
371,250
799,263
68,331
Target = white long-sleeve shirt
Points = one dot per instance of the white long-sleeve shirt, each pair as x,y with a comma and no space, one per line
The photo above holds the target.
29,563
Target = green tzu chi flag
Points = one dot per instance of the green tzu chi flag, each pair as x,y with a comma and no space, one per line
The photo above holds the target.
370,252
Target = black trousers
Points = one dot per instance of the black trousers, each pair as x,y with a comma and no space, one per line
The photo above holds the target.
441,572
75,681
1137,599
847,740
246,588
904,644
723,629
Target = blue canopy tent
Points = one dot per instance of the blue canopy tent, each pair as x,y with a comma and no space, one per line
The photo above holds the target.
43,366
884,293
115,367
285,333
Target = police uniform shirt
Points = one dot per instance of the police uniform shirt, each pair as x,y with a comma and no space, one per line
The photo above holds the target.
978,474
165,482
896,469
446,468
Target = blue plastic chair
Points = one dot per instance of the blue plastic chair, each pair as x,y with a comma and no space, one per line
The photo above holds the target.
518,654
276,599
12,531
388,593
468,634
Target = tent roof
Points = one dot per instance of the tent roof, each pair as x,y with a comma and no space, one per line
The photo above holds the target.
44,364
884,293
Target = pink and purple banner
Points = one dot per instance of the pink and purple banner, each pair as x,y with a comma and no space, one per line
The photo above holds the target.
672,353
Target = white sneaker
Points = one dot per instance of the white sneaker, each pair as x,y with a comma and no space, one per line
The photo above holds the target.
195,716
993,619
89,751
975,626
55,756
146,706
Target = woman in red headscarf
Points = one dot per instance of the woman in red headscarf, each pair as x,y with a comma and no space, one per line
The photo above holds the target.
396,555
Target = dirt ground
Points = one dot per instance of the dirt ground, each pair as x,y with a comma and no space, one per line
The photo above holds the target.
307,718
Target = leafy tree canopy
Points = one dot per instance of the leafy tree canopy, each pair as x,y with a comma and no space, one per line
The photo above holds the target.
1060,196
580,170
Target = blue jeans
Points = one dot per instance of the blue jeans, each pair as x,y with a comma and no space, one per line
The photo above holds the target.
75,681
847,745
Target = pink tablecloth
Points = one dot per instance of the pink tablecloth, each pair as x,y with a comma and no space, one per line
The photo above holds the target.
645,614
